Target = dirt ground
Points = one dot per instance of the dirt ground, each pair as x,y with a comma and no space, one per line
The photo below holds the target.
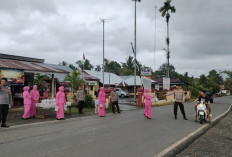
216,142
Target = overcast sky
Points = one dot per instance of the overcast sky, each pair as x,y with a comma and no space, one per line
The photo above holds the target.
57,30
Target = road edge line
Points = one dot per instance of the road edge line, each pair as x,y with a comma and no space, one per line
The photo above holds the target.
180,145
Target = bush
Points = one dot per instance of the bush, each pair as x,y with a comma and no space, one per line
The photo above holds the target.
194,92
89,103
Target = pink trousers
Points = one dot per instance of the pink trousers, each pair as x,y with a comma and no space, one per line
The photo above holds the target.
60,112
101,110
27,111
33,108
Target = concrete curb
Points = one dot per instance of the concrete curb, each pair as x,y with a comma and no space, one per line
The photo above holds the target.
180,145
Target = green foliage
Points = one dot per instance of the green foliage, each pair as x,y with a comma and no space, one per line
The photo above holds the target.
215,76
98,68
228,81
75,79
87,64
89,103
39,81
194,92
166,7
161,72
112,66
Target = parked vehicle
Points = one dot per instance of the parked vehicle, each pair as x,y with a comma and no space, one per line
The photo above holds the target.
201,111
210,96
122,93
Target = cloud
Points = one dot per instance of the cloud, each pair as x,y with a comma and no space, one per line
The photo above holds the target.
58,30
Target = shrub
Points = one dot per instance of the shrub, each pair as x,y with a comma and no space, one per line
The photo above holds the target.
89,103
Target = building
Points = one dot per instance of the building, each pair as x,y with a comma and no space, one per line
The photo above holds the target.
21,71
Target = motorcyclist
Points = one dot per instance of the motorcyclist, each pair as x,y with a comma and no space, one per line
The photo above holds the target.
203,97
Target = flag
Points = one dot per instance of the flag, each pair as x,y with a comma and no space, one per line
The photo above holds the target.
83,56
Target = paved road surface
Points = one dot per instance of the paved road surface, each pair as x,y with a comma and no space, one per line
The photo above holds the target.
127,134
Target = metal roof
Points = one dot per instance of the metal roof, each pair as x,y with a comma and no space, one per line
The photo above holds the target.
114,79
117,80
130,80
33,66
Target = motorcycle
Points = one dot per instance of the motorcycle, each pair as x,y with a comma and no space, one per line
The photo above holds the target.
201,111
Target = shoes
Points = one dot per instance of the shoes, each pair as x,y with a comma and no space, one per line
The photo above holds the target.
175,117
195,121
185,118
4,126
113,112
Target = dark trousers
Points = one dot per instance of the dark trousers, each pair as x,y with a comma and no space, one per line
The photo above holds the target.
115,103
181,108
4,108
81,106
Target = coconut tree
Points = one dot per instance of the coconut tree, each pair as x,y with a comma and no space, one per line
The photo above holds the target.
39,80
165,11
75,79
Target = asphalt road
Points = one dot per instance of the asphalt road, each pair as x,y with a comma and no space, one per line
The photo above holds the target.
127,134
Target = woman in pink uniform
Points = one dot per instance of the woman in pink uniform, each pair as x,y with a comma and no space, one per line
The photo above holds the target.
102,100
148,107
27,103
60,101
34,100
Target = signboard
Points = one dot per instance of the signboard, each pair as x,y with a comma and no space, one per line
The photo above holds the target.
146,71
14,76
92,83
166,83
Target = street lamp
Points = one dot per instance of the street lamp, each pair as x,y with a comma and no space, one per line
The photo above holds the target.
103,21
135,51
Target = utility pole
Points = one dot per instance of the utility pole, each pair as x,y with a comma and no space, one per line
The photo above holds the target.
135,52
155,37
103,21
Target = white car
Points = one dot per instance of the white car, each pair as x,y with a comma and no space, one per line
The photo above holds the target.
122,93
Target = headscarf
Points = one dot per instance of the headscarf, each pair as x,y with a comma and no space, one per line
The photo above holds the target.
35,87
146,90
61,88
26,88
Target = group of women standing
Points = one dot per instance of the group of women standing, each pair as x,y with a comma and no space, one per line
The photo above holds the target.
30,100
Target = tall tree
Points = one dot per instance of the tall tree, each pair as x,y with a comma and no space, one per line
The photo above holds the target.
87,64
64,63
128,66
98,68
72,67
112,66
215,76
165,12
228,81
161,72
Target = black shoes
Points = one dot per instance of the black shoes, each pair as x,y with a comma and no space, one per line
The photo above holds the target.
4,126
175,117
185,118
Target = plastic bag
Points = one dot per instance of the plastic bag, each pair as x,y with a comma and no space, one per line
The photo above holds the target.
56,108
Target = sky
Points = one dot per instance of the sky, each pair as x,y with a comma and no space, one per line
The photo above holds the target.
62,30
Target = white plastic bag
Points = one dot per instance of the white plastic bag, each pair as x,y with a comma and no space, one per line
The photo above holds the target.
101,105
56,108
153,100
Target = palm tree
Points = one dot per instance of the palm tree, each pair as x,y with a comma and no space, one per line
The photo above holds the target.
75,79
165,12
39,81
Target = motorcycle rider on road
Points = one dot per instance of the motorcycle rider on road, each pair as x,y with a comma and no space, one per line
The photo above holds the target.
203,97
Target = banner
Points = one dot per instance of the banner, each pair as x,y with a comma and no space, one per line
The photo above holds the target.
166,83
13,76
